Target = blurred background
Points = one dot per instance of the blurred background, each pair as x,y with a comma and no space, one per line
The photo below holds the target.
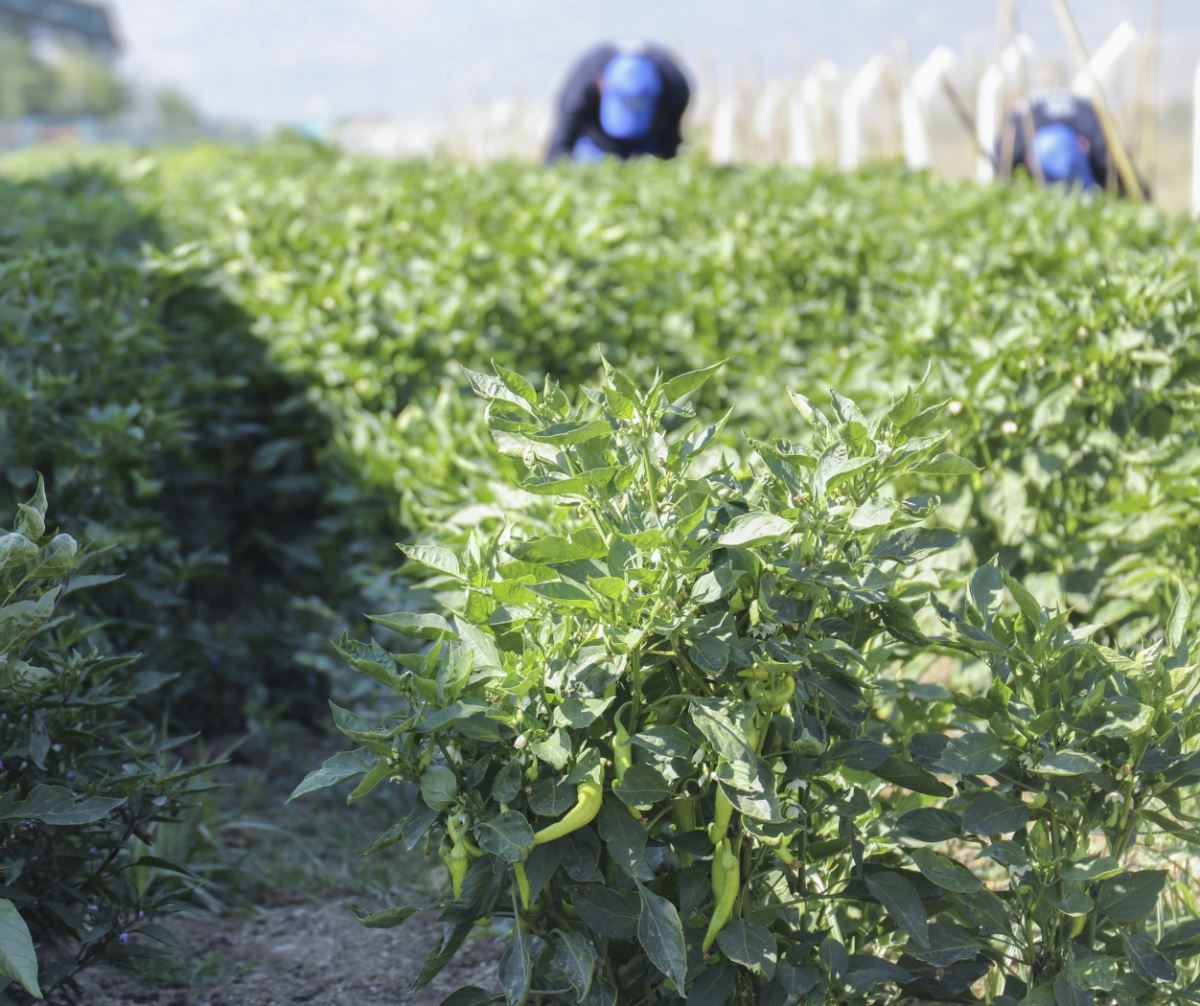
776,80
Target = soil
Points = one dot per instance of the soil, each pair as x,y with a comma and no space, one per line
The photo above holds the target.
313,953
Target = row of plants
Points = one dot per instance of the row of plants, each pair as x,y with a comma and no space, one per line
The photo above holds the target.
170,440
672,746
314,309
1063,331
84,780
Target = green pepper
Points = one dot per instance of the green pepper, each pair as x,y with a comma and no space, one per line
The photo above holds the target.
722,812
683,813
523,885
726,883
588,798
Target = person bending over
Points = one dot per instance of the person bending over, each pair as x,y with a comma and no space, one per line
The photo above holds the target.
621,101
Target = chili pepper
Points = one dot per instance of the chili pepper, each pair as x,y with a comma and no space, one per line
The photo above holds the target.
457,861
755,674
588,797
779,696
722,812
522,885
622,753
726,876
683,813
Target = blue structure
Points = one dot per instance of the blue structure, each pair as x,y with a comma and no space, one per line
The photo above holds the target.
69,21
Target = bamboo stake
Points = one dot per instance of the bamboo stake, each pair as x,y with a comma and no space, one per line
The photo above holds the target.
1116,147
1148,96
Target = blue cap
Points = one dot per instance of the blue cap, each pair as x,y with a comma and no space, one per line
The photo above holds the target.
1061,156
629,91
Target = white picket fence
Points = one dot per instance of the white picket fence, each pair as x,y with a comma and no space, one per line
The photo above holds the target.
883,109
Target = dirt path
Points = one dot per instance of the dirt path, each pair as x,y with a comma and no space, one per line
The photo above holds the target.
304,953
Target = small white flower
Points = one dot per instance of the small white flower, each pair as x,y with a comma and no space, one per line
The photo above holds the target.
1114,797
521,742
1026,762
955,407
1008,427
1077,380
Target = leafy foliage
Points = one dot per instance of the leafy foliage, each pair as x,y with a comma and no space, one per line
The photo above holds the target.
709,641
83,782
167,436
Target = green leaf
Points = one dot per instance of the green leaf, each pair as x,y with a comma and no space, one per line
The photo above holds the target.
439,787
1177,622
973,754
755,528
713,987
1147,961
904,773
420,625
749,945
606,912
1068,763
987,592
1091,869
1067,993
625,839
661,936
568,434
515,971
929,824
56,805
435,557
948,944
386,918
18,960
945,872
1131,896
642,786
913,543
508,835
575,959
375,775
945,464
993,814
678,386
902,902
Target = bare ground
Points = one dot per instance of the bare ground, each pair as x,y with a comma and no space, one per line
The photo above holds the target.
309,952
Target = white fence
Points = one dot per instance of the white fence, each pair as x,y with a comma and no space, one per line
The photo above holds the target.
884,109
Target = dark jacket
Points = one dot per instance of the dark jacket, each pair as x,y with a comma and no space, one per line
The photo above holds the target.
1043,109
579,108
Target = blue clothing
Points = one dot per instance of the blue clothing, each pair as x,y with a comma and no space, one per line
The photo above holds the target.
579,109
1018,140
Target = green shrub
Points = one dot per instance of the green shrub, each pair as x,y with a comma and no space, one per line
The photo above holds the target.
662,740
83,780
168,437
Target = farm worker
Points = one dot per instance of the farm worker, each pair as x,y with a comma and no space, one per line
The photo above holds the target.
1056,136
621,101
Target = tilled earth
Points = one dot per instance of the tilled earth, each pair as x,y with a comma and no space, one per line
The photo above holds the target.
312,953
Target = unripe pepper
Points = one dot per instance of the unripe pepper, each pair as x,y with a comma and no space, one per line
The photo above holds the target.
523,885
722,812
457,861
588,798
683,813
727,877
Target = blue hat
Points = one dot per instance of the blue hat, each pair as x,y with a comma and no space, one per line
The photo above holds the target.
1061,155
629,91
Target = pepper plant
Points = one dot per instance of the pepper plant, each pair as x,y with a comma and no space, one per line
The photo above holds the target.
84,780
1070,769
638,736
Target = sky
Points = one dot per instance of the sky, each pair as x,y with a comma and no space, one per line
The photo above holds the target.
303,60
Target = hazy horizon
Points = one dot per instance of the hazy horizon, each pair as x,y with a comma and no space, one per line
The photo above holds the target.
296,60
